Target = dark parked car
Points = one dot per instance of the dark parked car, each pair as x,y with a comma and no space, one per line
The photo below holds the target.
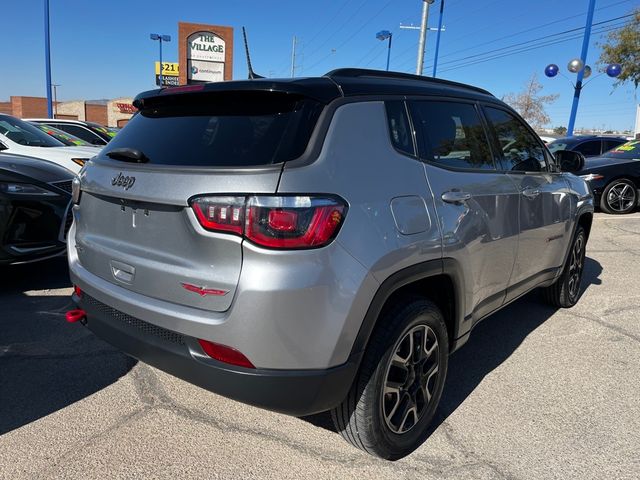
615,178
589,146
35,214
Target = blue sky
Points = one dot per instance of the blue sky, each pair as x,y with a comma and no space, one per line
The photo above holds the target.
102,49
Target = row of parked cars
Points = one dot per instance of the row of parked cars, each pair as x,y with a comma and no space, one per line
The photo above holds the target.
39,158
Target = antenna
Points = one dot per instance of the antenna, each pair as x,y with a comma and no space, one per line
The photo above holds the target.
252,74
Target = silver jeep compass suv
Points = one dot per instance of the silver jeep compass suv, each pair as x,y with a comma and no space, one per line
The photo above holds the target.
318,244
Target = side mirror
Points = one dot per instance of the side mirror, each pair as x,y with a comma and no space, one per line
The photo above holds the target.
569,160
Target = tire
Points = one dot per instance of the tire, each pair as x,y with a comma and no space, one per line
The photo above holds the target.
565,291
619,197
366,416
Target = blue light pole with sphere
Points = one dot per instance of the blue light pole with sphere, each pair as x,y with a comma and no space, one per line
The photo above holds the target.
584,71
578,65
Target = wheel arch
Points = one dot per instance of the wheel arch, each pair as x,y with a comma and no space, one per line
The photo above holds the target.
438,280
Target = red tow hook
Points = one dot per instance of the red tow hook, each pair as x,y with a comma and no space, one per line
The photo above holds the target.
76,315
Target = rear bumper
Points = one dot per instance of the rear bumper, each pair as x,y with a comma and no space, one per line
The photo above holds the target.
294,392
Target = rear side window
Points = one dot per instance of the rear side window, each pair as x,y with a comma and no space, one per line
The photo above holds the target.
610,144
231,129
521,150
399,128
452,134
590,148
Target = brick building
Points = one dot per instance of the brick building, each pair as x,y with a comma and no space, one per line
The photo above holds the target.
112,113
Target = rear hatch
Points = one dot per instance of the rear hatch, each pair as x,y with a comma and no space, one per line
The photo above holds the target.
134,225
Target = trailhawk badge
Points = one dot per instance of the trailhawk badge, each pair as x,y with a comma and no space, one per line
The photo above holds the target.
121,180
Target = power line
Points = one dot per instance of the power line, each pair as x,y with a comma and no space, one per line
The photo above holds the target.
536,39
522,31
353,34
526,49
516,33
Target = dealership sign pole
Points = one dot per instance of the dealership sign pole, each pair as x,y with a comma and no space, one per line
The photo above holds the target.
47,56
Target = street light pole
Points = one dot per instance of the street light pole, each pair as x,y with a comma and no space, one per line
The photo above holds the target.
583,57
389,51
422,44
384,35
435,59
160,39
47,55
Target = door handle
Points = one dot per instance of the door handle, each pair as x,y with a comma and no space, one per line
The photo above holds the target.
531,192
454,196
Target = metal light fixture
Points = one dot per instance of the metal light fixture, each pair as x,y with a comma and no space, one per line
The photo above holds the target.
160,38
382,35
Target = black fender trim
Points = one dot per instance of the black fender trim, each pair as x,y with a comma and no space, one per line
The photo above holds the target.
420,271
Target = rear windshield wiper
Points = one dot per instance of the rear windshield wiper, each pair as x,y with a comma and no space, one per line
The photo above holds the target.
128,155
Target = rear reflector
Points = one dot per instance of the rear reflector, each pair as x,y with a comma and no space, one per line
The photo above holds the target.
204,291
225,354
78,291
281,222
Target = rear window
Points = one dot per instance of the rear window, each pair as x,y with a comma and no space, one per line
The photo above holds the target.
229,129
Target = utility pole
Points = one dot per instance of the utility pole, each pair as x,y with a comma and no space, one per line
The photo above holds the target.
293,57
422,44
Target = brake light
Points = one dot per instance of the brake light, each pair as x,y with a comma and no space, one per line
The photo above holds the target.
220,214
181,89
225,354
283,222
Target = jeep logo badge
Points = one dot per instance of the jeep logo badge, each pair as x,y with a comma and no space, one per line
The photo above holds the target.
121,180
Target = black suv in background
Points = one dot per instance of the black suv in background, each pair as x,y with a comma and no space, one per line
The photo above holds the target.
589,145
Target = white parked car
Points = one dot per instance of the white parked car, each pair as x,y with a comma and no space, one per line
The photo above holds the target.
21,138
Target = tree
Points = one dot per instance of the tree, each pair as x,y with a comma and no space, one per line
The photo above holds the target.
623,46
560,130
529,104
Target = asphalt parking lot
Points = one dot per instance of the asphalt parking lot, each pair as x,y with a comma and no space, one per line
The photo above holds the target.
537,393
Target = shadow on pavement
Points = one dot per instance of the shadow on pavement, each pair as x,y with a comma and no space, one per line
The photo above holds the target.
46,363
491,343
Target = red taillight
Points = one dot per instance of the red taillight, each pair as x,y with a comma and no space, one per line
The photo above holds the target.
282,222
220,214
225,354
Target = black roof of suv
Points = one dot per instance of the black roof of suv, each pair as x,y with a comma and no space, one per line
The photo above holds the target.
342,82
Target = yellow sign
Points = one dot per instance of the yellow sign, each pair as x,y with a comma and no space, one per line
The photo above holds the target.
168,69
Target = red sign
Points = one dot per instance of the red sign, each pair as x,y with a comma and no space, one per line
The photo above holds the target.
126,108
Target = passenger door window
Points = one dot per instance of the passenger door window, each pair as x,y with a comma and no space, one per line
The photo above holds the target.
452,135
520,149
588,149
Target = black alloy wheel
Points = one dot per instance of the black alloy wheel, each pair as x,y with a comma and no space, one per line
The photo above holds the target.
565,291
619,197
397,390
